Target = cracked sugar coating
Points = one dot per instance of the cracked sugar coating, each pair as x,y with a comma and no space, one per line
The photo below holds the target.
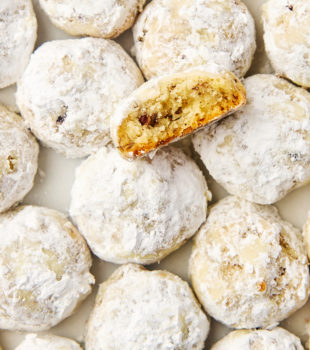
18,28
262,152
47,342
249,267
275,339
138,211
99,18
140,309
287,38
70,89
172,36
170,107
18,159
306,234
44,269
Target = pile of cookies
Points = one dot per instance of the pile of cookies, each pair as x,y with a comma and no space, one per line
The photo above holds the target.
136,198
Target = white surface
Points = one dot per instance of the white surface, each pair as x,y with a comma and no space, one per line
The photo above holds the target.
56,175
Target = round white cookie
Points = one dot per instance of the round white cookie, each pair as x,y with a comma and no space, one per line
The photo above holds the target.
138,211
47,342
44,269
70,89
275,339
173,35
140,309
18,28
18,159
306,234
287,38
99,18
262,152
249,267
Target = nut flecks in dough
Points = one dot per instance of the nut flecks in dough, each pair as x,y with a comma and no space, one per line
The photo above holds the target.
249,267
138,211
140,309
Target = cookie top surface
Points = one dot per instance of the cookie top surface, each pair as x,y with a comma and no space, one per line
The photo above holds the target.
99,18
306,234
47,342
249,267
136,308
287,38
18,28
70,89
138,211
172,36
275,339
261,152
44,268
18,159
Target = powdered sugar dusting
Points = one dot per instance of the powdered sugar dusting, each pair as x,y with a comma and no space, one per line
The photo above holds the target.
47,342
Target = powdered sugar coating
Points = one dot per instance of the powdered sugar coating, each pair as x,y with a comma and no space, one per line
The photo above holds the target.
44,268
99,18
140,309
138,211
47,342
249,267
261,152
18,159
275,339
306,234
287,38
18,28
172,35
70,89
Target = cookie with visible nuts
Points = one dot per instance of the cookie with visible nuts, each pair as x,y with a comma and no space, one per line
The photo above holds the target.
287,38
248,266
98,18
170,107
140,309
44,268
18,159
262,152
173,35
18,28
263,339
70,89
47,342
138,211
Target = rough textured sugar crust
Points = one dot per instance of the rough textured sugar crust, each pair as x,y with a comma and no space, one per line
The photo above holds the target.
249,267
173,35
138,211
136,308
167,108
70,89
44,268
287,38
275,339
18,159
98,18
306,234
47,342
18,28
261,152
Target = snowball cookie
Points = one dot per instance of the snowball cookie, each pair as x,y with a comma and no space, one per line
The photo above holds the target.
140,309
18,158
44,269
138,211
248,266
100,18
165,109
69,91
18,28
306,234
172,36
47,342
275,339
287,38
262,152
